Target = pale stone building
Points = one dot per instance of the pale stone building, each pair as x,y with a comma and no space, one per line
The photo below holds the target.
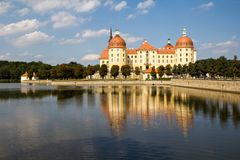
146,55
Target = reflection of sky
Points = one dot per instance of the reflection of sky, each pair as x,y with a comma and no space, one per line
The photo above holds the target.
161,116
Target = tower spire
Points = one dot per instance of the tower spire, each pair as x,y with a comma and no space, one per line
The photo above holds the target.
169,41
184,32
110,35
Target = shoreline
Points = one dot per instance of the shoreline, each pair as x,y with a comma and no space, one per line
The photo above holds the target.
214,85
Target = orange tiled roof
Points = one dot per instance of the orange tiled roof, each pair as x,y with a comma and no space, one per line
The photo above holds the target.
146,46
168,49
104,54
131,51
149,70
184,42
117,42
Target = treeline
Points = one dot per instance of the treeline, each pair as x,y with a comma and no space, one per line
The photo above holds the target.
72,70
211,68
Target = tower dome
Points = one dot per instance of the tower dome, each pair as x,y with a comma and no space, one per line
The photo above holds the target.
117,41
184,41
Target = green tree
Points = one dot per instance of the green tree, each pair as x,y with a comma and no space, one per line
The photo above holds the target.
126,70
153,73
168,70
179,69
137,71
161,71
115,71
90,71
175,69
79,72
103,70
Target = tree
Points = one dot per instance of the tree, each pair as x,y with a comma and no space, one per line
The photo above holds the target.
168,70
90,71
103,70
137,71
175,69
185,69
79,72
161,71
126,70
153,73
179,69
115,71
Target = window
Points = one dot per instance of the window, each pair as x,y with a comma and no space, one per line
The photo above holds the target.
107,62
147,52
153,61
153,52
117,55
158,61
131,56
111,49
117,49
162,56
135,61
180,59
171,61
123,59
112,59
111,55
186,54
158,56
186,49
135,56
181,55
140,61
171,56
186,59
140,51
162,61
128,57
140,56
117,59
167,61
123,55
153,56
180,49
102,62
167,56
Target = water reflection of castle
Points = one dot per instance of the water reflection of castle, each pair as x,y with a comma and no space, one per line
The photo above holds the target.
146,105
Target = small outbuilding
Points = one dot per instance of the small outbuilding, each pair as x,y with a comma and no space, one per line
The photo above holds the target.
34,77
147,74
24,77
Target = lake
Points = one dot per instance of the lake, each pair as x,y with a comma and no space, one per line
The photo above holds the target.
117,122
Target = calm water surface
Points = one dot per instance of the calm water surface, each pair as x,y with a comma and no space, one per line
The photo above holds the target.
117,122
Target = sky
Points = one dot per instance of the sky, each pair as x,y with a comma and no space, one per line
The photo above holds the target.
61,31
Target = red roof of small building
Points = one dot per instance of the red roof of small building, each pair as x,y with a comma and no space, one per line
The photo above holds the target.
104,54
168,49
25,74
149,70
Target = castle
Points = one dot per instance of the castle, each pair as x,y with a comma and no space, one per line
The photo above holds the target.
147,56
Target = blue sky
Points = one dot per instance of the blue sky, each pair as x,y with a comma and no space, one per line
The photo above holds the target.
60,31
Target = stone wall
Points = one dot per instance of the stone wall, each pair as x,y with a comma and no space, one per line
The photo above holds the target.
229,86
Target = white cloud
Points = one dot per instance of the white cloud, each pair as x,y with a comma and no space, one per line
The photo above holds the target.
131,39
38,56
5,56
94,33
227,47
206,6
32,38
90,57
131,16
63,19
87,5
4,7
23,12
22,26
120,6
70,41
81,37
108,3
142,8
78,5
